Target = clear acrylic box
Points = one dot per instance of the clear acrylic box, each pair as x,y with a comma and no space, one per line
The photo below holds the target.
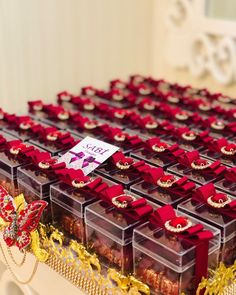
70,203
109,233
167,263
226,224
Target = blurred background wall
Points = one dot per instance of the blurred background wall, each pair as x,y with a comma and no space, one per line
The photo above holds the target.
51,45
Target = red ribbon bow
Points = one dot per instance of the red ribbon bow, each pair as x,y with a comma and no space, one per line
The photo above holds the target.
186,134
192,159
180,187
135,208
36,105
230,175
64,96
155,145
44,161
195,235
89,91
147,104
17,147
77,179
218,201
54,135
57,112
222,146
117,84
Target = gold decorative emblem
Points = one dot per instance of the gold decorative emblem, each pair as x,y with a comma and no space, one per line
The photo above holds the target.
117,97
189,136
151,125
53,136
38,107
144,91
204,107
218,125
15,150
181,116
90,92
166,180
90,125
65,97
79,184
63,116
149,106
123,166
200,164
89,106
159,148
24,126
44,165
119,114
219,203
178,224
120,137
173,99
123,200
228,150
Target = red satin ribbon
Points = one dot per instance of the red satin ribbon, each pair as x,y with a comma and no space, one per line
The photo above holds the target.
23,148
170,150
53,111
119,157
36,105
218,144
215,169
87,89
138,209
36,157
63,138
202,138
64,94
204,192
230,175
114,83
69,175
148,102
182,187
195,235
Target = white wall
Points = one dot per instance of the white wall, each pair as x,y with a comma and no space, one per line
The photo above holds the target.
51,45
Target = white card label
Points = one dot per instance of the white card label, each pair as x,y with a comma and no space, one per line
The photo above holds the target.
88,154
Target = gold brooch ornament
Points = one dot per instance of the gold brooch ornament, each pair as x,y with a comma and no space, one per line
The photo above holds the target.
218,125
178,224
219,202
79,184
181,116
53,136
90,92
37,107
189,136
123,166
200,164
90,125
63,116
25,126
14,150
173,99
65,98
159,148
204,107
117,97
151,125
120,137
144,91
119,114
166,181
44,165
89,106
149,106
120,85
122,201
229,150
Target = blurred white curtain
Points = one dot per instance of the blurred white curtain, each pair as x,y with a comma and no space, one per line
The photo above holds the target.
51,45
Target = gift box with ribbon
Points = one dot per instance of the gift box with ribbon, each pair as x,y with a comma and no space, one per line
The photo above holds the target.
158,153
197,168
219,210
70,196
34,179
54,140
173,251
122,169
228,183
110,223
163,188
